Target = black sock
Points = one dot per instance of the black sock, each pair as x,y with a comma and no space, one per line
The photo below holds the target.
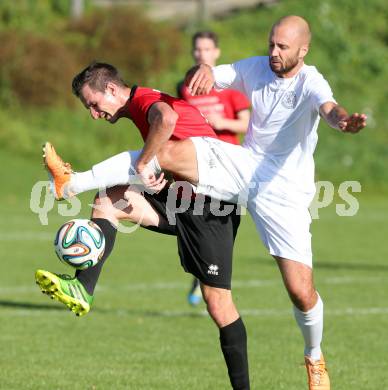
233,339
89,277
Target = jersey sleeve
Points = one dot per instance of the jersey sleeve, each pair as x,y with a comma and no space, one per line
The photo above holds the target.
225,76
146,101
236,75
320,92
142,104
239,101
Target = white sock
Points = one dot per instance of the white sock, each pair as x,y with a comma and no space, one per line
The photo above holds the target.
117,170
311,325
81,182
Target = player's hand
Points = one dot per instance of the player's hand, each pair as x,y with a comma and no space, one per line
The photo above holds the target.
199,79
152,183
353,123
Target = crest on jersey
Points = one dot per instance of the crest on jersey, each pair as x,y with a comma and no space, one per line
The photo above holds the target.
289,99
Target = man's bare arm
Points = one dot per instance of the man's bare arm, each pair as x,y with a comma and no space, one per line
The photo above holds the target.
239,125
338,118
162,119
199,79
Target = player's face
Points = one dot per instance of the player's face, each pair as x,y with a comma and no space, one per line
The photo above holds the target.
284,51
205,51
101,105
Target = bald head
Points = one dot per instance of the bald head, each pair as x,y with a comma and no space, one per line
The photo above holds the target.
295,27
288,44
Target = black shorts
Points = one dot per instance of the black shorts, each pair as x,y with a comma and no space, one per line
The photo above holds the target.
205,241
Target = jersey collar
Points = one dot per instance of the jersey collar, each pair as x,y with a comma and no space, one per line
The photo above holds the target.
133,91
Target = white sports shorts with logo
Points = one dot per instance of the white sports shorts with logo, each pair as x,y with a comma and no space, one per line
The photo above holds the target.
235,174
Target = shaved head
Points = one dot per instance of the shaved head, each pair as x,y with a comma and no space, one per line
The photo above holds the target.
289,42
296,27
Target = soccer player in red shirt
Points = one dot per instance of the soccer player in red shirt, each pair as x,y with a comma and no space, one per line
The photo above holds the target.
205,240
226,110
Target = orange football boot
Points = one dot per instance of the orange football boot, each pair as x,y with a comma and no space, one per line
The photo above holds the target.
318,377
59,172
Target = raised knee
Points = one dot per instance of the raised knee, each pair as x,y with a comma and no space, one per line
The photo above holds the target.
102,205
165,154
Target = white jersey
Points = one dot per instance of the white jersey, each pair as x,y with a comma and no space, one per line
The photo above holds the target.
282,131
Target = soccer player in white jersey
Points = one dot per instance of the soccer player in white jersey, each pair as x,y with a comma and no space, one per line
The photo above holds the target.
273,173
287,99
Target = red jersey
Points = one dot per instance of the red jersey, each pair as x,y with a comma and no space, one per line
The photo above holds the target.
190,122
225,103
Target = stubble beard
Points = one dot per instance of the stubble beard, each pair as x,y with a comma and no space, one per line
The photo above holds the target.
287,67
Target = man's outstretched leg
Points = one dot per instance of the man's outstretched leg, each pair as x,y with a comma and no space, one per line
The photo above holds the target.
177,157
233,337
117,170
308,310
77,292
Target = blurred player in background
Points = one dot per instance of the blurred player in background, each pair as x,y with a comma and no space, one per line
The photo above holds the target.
226,110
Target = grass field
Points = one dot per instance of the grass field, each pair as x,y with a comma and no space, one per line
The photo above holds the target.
141,334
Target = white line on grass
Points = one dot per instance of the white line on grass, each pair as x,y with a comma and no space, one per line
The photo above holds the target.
26,236
345,312
348,311
250,283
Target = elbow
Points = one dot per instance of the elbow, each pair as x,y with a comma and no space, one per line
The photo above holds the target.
170,119
168,122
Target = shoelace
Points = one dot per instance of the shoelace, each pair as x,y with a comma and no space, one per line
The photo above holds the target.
68,167
65,276
317,371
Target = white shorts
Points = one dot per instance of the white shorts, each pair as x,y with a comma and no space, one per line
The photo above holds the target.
280,212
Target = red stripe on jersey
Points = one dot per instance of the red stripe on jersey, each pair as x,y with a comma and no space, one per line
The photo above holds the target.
190,122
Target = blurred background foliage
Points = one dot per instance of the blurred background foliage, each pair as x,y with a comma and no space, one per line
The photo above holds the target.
42,49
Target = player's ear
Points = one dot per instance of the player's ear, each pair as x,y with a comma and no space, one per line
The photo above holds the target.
304,49
111,88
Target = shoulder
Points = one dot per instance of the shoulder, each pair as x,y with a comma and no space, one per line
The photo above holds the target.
253,69
315,86
144,97
145,91
310,74
252,62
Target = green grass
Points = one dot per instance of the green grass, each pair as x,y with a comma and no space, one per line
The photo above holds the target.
141,334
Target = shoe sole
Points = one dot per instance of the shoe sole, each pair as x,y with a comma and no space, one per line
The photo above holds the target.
51,178
50,285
